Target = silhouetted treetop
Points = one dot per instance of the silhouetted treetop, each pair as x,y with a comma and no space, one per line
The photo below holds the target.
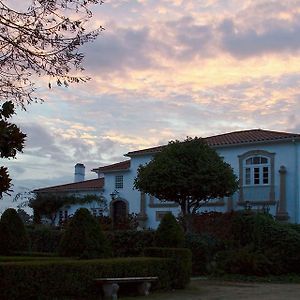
42,39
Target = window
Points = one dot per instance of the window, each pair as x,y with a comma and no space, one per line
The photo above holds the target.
97,212
63,216
257,171
119,182
256,175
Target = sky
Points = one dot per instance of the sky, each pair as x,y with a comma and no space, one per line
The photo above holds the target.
164,70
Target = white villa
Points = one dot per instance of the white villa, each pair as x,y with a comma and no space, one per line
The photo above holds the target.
266,163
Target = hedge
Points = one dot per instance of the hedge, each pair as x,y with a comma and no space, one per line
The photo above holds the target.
181,264
47,279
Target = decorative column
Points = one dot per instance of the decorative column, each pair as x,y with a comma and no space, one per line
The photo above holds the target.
282,214
142,216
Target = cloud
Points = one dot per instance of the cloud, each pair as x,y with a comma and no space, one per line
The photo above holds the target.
272,36
121,50
41,143
191,39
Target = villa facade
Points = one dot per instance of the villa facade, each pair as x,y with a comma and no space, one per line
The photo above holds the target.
266,163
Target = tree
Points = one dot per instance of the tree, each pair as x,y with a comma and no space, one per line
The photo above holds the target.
11,141
48,204
189,173
41,40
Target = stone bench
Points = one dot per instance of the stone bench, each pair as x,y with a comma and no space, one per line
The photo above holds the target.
111,286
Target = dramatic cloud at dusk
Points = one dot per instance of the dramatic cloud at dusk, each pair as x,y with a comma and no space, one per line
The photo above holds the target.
165,70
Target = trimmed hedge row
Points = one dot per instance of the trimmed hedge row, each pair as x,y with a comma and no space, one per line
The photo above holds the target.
181,264
47,279
124,243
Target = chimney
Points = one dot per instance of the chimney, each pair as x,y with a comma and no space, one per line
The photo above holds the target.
79,172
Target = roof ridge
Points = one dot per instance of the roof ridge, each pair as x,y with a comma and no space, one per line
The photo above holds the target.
251,130
65,184
233,132
233,138
118,164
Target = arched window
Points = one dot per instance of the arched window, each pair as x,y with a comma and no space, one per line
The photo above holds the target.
257,171
256,176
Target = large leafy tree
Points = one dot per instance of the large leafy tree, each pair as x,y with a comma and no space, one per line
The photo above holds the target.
38,38
189,173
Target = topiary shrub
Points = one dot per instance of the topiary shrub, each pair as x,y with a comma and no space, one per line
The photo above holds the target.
169,233
83,237
13,235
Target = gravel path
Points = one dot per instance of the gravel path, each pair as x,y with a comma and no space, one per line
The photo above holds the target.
223,290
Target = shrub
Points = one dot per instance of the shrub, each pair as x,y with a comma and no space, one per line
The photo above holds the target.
295,227
181,264
242,261
126,243
48,279
169,233
204,248
44,239
13,235
280,244
217,224
83,237
260,234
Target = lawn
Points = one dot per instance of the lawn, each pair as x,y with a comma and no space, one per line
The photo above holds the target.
228,290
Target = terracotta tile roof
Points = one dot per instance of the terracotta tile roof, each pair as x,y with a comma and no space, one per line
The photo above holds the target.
234,138
93,184
121,166
249,136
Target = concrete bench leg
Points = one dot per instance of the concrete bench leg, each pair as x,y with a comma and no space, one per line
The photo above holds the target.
111,291
144,288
